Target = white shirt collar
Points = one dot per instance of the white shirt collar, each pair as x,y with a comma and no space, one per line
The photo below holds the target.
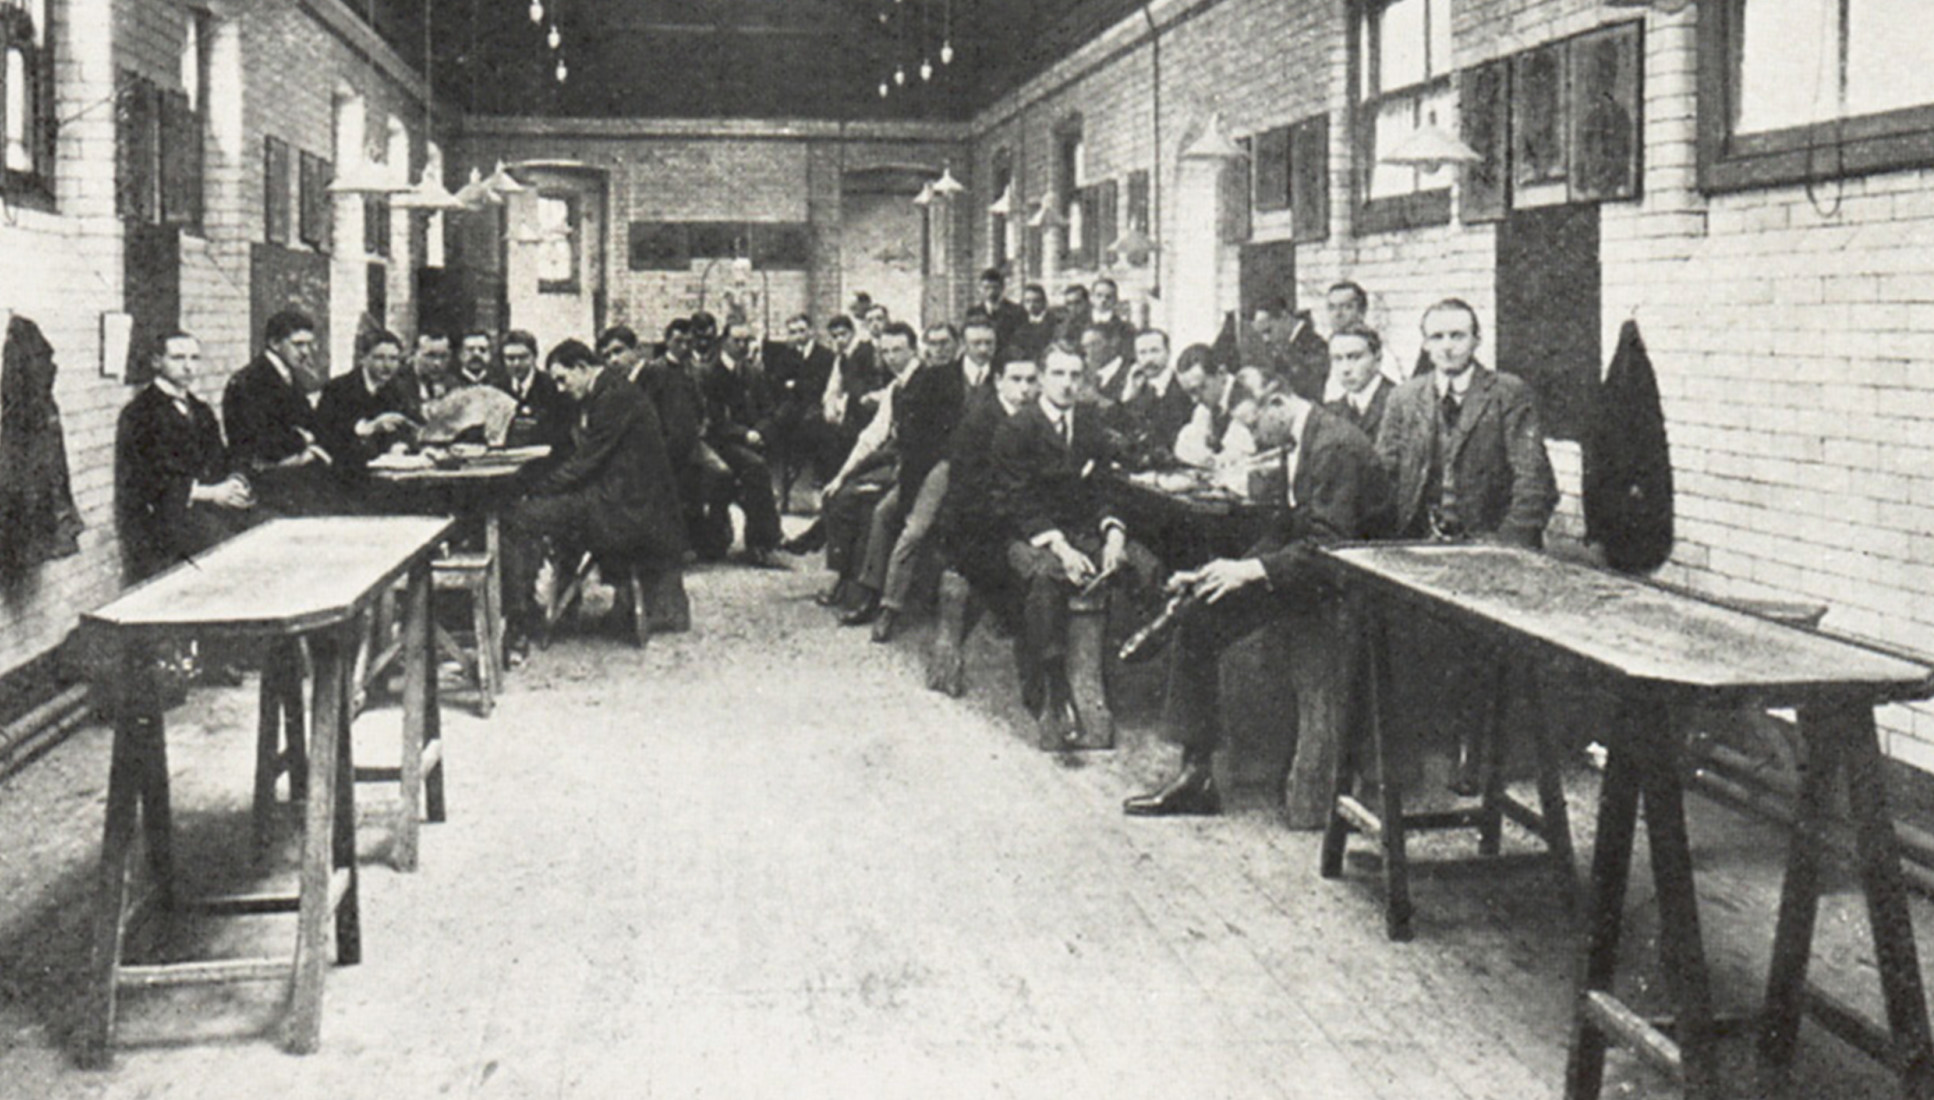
975,373
1111,368
1161,382
1459,384
1055,412
169,389
1360,399
281,368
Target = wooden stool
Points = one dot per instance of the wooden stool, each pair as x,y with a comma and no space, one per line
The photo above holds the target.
281,739
1389,825
658,599
960,609
473,573
1087,683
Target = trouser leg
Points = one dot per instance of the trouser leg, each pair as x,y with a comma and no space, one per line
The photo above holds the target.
752,483
903,564
880,535
1194,712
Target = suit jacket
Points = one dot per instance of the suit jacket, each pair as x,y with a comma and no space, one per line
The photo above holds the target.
1039,484
619,468
797,380
1341,493
675,394
1371,418
970,465
1150,421
263,414
1008,318
926,412
1497,480
736,401
1031,338
545,413
159,456
346,400
861,373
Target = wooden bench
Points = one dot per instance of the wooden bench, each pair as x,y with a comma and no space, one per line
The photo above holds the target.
658,599
1094,725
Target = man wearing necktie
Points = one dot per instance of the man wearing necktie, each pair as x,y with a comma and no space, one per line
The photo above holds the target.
1333,491
1355,352
1062,536
174,492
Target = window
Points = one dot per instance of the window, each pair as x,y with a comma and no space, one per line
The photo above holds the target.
313,203
1069,174
1794,90
1001,228
557,246
275,190
27,99
1403,67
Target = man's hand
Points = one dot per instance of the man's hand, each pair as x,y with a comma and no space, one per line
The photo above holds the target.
1114,550
1223,576
1131,387
228,493
1075,565
754,439
316,454
871,400
830,490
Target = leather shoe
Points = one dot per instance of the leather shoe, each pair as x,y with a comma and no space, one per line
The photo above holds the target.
883,626
867,611
834,596
1192,791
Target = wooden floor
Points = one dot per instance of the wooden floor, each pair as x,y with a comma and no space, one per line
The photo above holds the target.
760,860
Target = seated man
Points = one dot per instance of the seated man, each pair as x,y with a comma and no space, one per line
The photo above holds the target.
1037,329
273,437
1151,410
737,411
1336,492
797,371
476,363
1356,353
1063,538
359,416
870,471
975,541
428,376
545,414
614,495
671,381
173,489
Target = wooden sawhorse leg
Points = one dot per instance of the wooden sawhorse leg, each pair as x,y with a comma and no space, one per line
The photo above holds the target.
1843,739
281,739
328,870
1347,813
1643,767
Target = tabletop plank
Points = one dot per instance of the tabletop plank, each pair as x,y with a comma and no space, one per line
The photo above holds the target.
287,574
501,465
1634,629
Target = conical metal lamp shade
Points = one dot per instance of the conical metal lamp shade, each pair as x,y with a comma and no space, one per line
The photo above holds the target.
1004,205
428,194
1430,147
477,194
502,182
1047,217
1213,144
947,186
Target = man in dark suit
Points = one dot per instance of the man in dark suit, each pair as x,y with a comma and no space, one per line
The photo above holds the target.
1463,445
1356,359
671,381
858,375
427,377
1039,325
173,490
1006,316
358,417
871,470
737,415
797,371
1062,534
1077,309
1335,492
615,496
273,437
477,361
1112,314
544,412
971,529
1151,409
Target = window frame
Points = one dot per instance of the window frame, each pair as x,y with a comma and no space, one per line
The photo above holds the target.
1417,209
574,229
34,186
1000,254
1840,148
1070,153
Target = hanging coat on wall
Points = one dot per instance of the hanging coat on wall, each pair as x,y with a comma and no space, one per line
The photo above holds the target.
1628,465
38,520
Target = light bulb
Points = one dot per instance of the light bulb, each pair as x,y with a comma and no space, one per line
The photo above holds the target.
537,11
562,72
555,39
900,75
926,69
946,53
883,89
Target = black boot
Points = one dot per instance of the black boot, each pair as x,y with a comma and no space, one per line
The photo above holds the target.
1191,791
834,596
884,626
866,612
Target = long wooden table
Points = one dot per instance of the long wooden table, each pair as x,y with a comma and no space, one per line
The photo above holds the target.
1662,652
287,580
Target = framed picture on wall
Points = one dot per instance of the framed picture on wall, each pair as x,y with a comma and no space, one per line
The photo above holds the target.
1538,117
1484,108
276,198
657,246
1605,112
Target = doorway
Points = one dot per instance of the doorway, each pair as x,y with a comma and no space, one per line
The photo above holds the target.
554,253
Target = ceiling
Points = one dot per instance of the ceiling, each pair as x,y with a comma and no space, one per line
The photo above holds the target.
750,58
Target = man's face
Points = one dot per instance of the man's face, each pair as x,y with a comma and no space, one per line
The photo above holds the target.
1035,302
1450,337
475,353
738,344
382,362
992,290
1352,362
981,342
1105,297
842,337
297,349
1096,348
678,345
616,353
575,381
1273,419
519,360
897,353
1074,298
179,362
432,359
940,348
877,319
1342,307
799,333
1151,354
1019,383
1060,380
1199,383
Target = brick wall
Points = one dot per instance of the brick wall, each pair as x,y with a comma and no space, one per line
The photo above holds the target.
1792,334
276,67
730,171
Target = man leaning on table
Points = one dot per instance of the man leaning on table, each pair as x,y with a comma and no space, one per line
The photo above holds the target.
1334,491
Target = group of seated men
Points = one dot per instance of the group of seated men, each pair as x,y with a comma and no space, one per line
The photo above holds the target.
988,455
